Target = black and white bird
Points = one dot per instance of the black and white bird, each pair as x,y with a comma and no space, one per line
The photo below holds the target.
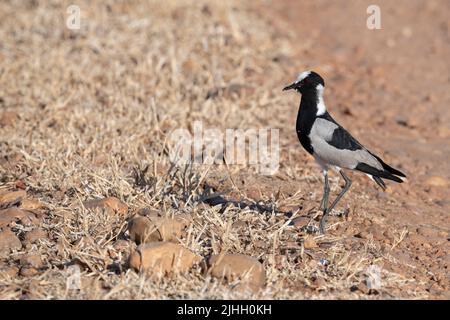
330,144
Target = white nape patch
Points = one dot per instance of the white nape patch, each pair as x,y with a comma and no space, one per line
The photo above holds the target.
302,76
321,109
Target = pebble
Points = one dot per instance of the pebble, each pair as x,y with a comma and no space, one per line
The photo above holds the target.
150,229
238,266
110,203
8,242
162,258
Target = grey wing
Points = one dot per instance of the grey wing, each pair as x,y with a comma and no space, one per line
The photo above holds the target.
333,145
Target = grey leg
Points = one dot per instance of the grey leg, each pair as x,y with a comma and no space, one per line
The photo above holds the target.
326,191
327,211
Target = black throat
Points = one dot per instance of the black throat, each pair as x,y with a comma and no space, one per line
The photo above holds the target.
307,113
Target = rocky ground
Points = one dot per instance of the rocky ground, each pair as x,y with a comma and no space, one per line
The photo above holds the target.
92,208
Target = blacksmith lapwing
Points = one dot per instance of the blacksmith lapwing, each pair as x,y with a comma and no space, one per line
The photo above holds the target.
330,144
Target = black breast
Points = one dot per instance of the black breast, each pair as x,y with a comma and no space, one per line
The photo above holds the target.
305,141
305,119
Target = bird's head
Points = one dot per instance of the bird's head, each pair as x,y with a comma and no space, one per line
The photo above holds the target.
305,81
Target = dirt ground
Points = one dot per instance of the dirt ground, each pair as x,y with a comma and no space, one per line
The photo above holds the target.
86,114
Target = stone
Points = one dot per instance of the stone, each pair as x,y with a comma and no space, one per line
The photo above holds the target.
11,198
8,242
162,258
110,203
319,283
8,118
361,287
31,204
9,271
20,184
31,260
300,222
35,235
28,271
150,229
309,242
238,266
149,212
141,230
12,214
190,67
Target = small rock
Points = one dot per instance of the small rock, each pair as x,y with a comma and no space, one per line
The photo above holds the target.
9,271
110,203
31,204
361,235
309,242
319,283
190,67
31,260
289,209
253,192
362,287
8,241
162,258
238,266
11,198
437,181
20,184
141,230
144,229
35,235
10,215
8,118
300,222
28,271
401,120
149,212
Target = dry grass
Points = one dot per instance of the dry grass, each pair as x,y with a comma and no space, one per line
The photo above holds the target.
96,107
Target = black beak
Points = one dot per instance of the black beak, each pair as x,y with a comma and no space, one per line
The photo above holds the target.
291,86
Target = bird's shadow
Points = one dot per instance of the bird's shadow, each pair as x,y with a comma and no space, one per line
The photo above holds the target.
218,198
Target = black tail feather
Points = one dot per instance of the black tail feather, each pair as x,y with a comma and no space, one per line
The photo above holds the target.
388,168
378,173
379,182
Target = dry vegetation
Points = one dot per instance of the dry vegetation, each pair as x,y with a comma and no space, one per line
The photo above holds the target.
87,114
